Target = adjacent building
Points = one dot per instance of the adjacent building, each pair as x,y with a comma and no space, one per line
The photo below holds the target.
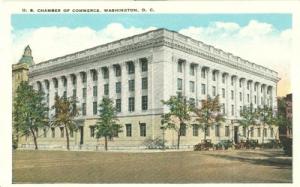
137,73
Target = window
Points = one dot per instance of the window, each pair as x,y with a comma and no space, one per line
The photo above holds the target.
65,82
255,99
203,90
232,110
95,108
105,73
94,75
73,80
192,70
227,132
179,84
74,92
224,109
83,77
118,105
130,68
45,132
272,132
192,102
265,132
207,131
203,73
144,102
53,132
258,132
248,98
118,71
106,89
131,104
128,130
65,94
261,89
62,134
144,83
95,92
143,129
192,86
84,93
248,85
115,133
223,92
244,131
251,131
144,65
92,131
214,75
131,85
217,130
223,78
241,97
241,110
214,91
179,66
255,87
195,130
83,109
118,87
240,83
232,95
182,129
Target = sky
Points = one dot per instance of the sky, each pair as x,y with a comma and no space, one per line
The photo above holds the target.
264,39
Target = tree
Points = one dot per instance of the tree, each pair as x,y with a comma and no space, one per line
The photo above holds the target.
208,114
266,117
178,115
249,117
106,125
30,111
65,112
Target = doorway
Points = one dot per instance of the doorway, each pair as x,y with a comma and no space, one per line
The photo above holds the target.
236,133
81,134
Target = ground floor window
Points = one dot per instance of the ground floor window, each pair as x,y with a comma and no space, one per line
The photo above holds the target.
217,130
45,132
128,130
258,132
227,132
251,131
53,132
142,129
182,129
265,132
195,130
272,132
92,131
62,134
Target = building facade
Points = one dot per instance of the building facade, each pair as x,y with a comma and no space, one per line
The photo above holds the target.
138,72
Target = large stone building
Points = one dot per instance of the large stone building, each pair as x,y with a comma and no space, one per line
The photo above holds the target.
138,72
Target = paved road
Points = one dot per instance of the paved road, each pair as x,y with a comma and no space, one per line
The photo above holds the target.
170,167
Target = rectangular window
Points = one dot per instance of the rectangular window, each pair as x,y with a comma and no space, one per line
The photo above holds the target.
203,90
240,83
74,92
214,91
65,94
84,93
95,109
272,132
248,98
195,130
248,85
192,70
265,132
106,89
62,132
118,71
241,97
105,73
115,133
179,84
255,99
192,86
179,66
232,81
192,102
224,109
223,92
45,132
53,132
128,130
83,77
95,92
143,129
207,131
258,132
130,68
203,73
232,95
92,131
217,130
255,87
241,110
227,131
232,110
131,104
118,105
131,85
118,87
244,131
71,133
182,129
144,65
73,80
223,78
144,102
83,109
251,131
144,83
95,76
214,76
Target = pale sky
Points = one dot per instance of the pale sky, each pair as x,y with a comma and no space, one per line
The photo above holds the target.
264,39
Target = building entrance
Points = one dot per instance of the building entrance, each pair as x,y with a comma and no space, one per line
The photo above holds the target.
236,134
